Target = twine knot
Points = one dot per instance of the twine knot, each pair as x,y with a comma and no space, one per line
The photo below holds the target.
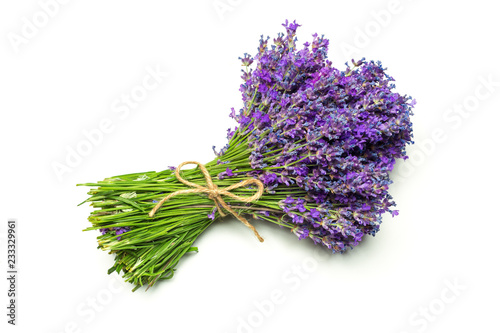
215,194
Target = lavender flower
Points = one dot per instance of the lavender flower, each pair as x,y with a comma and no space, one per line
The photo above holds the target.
212,214
335,134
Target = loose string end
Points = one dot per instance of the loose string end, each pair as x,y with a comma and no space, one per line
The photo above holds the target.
214,193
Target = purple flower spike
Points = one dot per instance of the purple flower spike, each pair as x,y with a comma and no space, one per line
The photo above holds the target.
212,214
335,134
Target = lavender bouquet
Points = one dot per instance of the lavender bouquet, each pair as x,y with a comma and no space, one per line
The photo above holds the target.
312,153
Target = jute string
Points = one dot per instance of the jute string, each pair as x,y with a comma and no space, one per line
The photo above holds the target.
216,194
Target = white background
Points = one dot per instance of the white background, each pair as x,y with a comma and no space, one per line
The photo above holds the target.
439,256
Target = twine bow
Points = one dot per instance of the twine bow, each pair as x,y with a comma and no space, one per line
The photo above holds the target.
216,194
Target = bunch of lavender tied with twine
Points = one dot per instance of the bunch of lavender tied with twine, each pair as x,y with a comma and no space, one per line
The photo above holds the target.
312,153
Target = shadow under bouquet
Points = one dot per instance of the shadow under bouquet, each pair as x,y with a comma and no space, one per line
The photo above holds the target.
312,153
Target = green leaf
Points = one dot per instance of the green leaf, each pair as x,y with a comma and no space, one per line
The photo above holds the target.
129,202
